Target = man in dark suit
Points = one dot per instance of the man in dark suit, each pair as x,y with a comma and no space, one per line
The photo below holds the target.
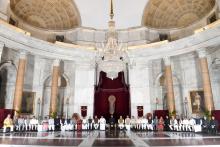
213,126
167,123
57,123
205,124
112,122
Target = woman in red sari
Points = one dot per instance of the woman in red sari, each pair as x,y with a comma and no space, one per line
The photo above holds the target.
160,125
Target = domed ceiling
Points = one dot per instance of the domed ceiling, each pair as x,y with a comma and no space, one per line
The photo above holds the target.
47,14
175,13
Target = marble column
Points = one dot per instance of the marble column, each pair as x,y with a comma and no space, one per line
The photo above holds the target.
54,86
169,85
1,50
19,82
208,97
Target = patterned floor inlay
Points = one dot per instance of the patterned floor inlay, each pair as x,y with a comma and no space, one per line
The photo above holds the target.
121,142
108,138
40,142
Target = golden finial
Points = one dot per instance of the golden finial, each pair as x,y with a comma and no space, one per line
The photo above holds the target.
111,10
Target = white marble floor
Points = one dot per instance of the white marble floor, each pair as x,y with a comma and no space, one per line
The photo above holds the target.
108,138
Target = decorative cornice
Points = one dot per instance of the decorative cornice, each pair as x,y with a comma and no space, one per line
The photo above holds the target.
20,41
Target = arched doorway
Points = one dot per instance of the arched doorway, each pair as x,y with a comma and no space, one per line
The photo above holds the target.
161,93
7,84
62,93
112,94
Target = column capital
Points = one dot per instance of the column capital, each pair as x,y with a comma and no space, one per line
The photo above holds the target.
201,52
167,60
56,62
22,55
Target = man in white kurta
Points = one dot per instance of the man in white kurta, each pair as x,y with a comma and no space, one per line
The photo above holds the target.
144,123
84,123
192,124
34,123
121,123
185,124
133,123
127,123
21,124
51,124
138,123
102,123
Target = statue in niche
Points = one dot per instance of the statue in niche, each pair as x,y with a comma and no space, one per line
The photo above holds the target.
197,99
111,100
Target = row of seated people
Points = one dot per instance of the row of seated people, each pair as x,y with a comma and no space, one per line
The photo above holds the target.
141,123
191,124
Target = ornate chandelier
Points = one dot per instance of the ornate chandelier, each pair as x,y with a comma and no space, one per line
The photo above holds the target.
112,57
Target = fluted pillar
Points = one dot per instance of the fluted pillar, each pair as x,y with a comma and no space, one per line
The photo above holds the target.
169,85
19,83
208,97
54,86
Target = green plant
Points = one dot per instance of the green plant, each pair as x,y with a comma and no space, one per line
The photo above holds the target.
173,113
53,114
17,112
207,114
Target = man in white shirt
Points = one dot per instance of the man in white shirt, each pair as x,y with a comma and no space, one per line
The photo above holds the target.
133,123
192,124
33,123
144,123
176,125
102,123
138,123
127,123
185,124
27,123
84,123
51,124
173,124
180,125
21,124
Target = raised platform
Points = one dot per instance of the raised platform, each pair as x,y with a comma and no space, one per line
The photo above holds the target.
108,138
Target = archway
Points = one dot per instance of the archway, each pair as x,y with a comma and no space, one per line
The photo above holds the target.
7,84
62,93
161,92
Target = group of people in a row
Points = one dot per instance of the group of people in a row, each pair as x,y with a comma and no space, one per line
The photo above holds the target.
138,124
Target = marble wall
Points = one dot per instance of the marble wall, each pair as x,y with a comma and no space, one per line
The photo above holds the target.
144,80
